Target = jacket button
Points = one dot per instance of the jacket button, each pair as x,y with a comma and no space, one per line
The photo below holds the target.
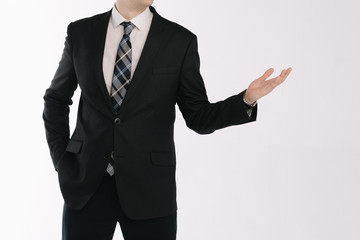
106,155
117,121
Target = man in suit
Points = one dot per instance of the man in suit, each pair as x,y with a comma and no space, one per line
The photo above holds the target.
118,165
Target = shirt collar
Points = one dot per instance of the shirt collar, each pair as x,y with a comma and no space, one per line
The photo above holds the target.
140,21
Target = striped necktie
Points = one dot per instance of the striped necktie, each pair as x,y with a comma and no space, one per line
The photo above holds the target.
122,76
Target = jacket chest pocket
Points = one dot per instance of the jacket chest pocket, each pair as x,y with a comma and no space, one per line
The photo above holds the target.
166,71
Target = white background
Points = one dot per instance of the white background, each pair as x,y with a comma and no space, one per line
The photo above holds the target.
293,174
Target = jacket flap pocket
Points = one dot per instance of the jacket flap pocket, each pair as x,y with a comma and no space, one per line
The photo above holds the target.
166,159
74,146
165,70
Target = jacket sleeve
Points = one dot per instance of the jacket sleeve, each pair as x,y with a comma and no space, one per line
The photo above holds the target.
200,115
57,100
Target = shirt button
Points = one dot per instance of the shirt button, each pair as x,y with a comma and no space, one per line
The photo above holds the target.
117,121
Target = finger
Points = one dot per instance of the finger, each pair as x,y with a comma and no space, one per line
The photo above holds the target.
281,77
284,74
288,71
267,74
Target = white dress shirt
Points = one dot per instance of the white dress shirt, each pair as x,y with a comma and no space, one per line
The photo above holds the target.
114,34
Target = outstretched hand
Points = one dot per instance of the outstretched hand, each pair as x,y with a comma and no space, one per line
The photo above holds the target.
261,87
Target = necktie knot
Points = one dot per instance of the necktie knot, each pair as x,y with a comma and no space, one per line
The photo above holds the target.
128,27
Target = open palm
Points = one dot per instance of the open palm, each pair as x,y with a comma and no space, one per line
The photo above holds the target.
261,86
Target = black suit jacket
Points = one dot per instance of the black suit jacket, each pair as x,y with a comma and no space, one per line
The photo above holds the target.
141,133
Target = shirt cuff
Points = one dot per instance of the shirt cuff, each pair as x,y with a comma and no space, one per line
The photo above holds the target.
249,107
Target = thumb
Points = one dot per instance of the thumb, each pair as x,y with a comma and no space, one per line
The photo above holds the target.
266,74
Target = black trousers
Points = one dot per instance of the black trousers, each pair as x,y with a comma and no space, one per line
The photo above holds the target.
98,219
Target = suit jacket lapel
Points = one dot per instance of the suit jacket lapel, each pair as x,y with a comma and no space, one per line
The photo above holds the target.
152,45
